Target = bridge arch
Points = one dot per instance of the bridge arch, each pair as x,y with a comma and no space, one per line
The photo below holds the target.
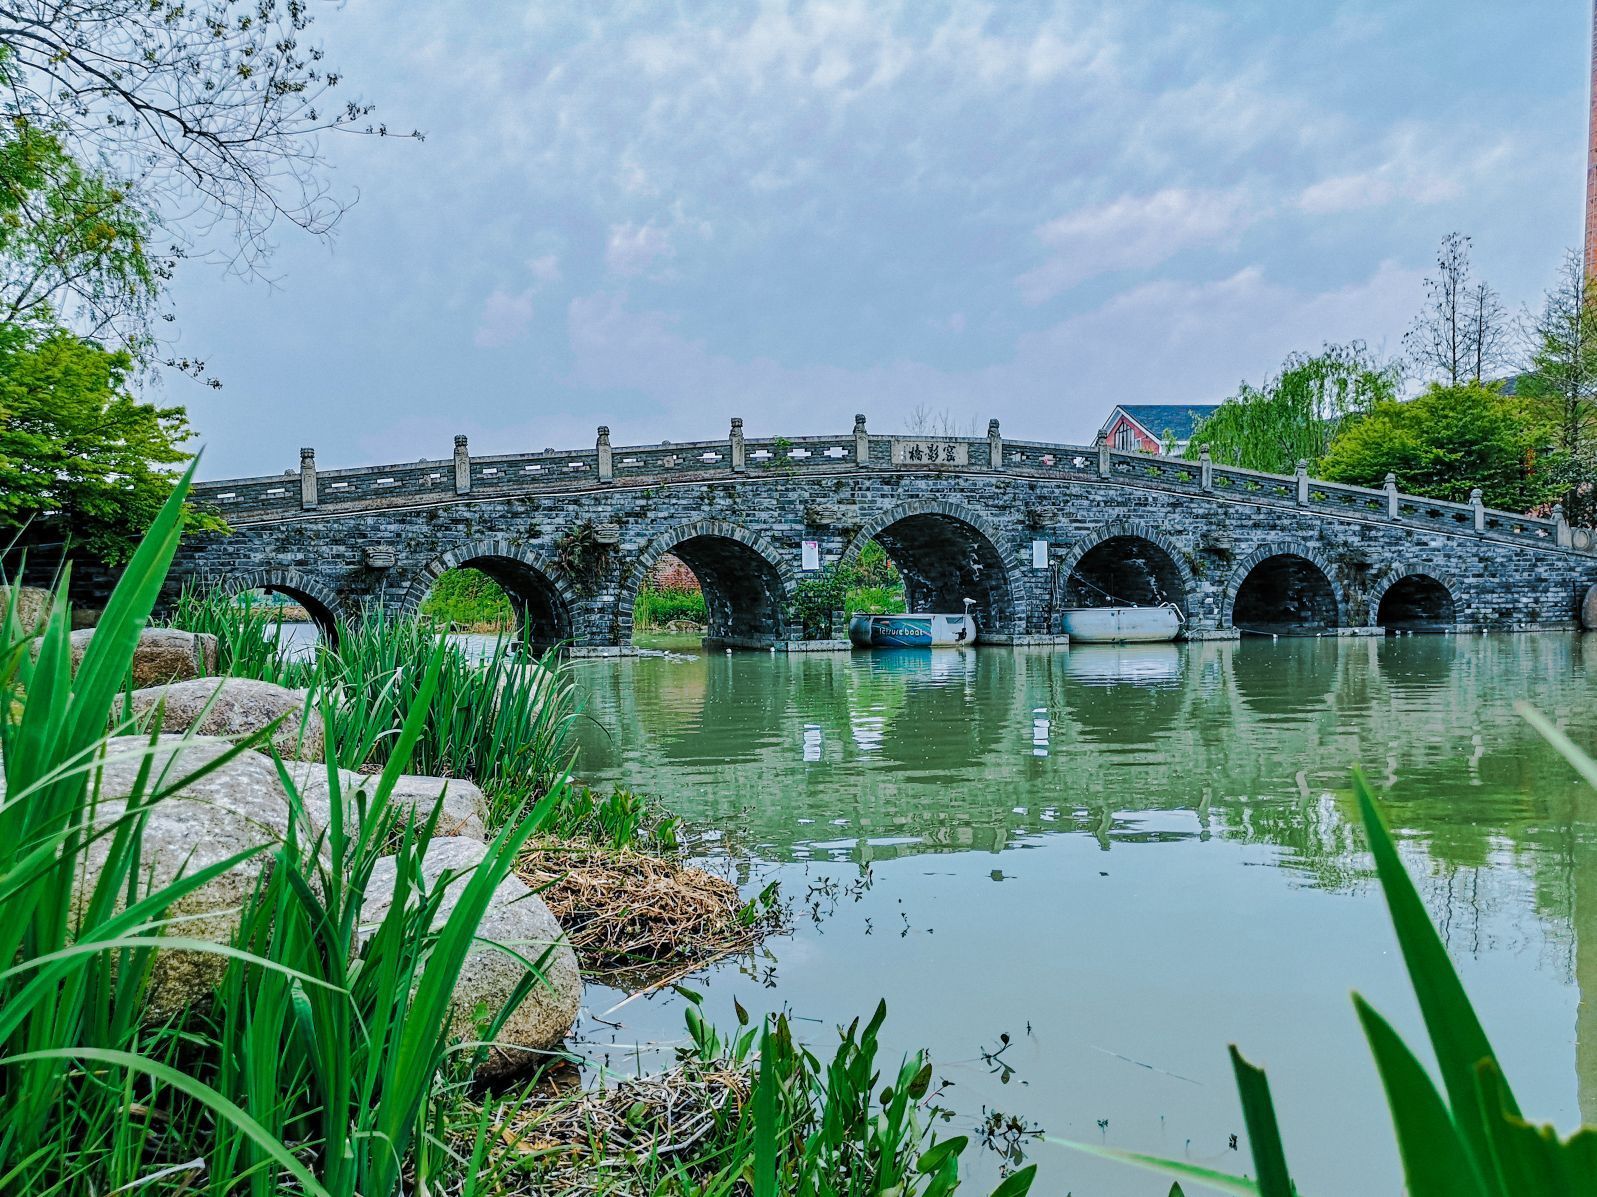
1287,588
320,601
1126,562
537,588
1408,599
946,552
743,575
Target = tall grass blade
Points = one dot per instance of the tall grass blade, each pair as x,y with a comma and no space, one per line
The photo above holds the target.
1566,747
200,1092
1264,1133
1237,1186
1531,1161
1436,1161
765,1130
1455,1031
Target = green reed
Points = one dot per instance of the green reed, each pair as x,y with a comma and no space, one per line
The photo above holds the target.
321,1063
75,1056
503,719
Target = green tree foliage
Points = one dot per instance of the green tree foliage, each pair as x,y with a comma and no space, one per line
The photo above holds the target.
1444,443
72,243
1563,384
75,444
468,598
1295,415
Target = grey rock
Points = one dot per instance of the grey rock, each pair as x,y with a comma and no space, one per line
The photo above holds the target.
239,806
163,655
236,707
32,606
517,918
465,809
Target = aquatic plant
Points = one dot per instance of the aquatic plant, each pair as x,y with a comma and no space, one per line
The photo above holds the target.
75,1057
751,1110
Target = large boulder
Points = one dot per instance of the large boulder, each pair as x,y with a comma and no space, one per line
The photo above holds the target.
32,606
238,806
517,918
163,655
235,707
465,809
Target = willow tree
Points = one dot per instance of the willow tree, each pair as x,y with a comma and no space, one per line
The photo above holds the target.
1295,415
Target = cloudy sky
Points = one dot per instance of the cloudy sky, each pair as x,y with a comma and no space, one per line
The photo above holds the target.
657,216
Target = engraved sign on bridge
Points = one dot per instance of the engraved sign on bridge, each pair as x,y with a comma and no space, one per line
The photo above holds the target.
926,451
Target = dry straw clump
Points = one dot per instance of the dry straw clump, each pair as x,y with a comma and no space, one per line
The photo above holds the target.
607,1140
630,915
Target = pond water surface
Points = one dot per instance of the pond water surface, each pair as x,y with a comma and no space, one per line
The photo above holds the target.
1125,859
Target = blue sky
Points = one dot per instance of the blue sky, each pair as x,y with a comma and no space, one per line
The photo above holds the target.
657,216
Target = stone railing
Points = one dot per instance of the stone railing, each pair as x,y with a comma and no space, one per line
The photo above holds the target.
259,500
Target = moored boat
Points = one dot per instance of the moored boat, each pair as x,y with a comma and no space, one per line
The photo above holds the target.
875,630
1121,625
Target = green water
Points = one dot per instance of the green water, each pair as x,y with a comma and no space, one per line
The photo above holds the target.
1125,858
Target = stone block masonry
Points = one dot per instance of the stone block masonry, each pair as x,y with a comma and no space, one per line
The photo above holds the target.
1025,529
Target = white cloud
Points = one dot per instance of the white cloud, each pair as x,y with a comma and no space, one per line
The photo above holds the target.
505,319
1134,233
1158,342
1417,166
545,269
634,248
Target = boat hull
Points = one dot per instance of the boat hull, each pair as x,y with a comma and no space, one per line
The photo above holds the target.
911,631
1121,625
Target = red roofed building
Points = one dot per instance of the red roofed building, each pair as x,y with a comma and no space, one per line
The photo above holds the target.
1144,427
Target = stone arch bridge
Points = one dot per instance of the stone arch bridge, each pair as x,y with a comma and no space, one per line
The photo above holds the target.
1024,528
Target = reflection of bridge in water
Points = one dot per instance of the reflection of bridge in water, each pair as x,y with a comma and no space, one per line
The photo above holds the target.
907,753
1025,529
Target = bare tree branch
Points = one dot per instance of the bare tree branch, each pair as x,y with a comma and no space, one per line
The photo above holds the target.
212,111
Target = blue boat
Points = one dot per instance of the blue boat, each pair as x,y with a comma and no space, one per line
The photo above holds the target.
871,630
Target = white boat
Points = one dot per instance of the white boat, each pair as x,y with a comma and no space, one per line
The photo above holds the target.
1122,625
879,630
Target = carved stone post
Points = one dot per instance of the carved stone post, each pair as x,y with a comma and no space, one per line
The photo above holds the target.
1392,508
1303,483
1103,453
862,442
307,479
735,443
1561,536
1205,468
1479,509
462,467
995,446
606,458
